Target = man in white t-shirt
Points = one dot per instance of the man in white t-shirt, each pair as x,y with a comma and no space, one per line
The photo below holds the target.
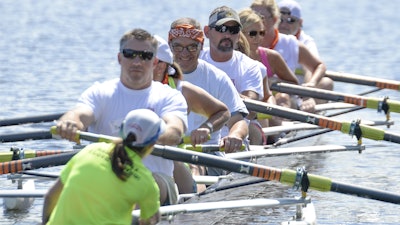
223,33
292,23
186,40
102,107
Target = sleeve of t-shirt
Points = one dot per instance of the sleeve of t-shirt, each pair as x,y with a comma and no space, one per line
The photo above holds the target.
150,204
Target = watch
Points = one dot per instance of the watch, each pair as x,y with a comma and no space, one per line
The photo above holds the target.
209,125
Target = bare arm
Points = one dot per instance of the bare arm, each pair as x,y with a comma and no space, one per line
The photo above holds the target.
313,64
76,119
175,128
50,200
280,68
201,102
238,131
152,220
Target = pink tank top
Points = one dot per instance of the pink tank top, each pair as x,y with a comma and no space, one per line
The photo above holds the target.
264,60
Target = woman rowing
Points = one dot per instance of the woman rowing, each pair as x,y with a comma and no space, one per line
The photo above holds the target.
103,182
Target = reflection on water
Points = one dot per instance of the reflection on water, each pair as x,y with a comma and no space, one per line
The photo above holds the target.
52,50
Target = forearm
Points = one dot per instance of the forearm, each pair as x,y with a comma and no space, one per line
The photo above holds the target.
175,128
317,74
238,128
217,120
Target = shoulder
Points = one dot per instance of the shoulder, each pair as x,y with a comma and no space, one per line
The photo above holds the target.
288,39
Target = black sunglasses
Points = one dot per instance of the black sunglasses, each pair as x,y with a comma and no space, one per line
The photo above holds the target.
254,33
131,54
224,28
289,20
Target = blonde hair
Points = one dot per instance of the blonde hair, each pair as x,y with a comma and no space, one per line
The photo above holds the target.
270,6
249,17
243,45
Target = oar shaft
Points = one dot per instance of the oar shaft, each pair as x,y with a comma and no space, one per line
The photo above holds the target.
268,173
33,135
8,156
365,192
30,119
363,80
35,163
322,121
367,102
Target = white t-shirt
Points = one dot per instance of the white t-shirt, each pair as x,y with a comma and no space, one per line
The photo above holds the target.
244,72
309,42
288,47
219,85
110,101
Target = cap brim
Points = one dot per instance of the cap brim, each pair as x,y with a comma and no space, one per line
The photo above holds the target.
224,20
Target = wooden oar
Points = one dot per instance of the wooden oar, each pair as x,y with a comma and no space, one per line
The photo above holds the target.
363,80
30,119
16,153
352,128
366,102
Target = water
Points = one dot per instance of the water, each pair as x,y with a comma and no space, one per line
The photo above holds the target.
52,50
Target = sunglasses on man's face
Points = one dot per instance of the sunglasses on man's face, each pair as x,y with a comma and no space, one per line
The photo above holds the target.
131,54
224,28
254,33
288,20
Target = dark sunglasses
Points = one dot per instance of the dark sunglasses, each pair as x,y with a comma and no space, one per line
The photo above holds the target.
190,48
254,33
131,54
224,28
289,20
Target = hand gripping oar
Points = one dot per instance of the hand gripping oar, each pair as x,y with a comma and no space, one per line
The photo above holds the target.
363,80
383,104
30,119
352,128
269,173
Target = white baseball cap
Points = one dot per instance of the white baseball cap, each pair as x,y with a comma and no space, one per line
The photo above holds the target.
291,5
164,53
146,125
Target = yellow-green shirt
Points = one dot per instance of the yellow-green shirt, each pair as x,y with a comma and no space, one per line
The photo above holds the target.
93,194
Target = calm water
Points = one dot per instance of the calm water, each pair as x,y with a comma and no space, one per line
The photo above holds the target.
52,50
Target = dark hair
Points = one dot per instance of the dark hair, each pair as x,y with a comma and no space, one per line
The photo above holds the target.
141,35
121,164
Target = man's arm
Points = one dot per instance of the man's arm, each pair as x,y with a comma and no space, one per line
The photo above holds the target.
175,128
238,131
76,119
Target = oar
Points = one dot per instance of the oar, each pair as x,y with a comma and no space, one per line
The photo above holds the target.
323,131
32,135
260,151
16,166
282,175
363,80
352,128
232,204
383,104
17,153
30,119
268,173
